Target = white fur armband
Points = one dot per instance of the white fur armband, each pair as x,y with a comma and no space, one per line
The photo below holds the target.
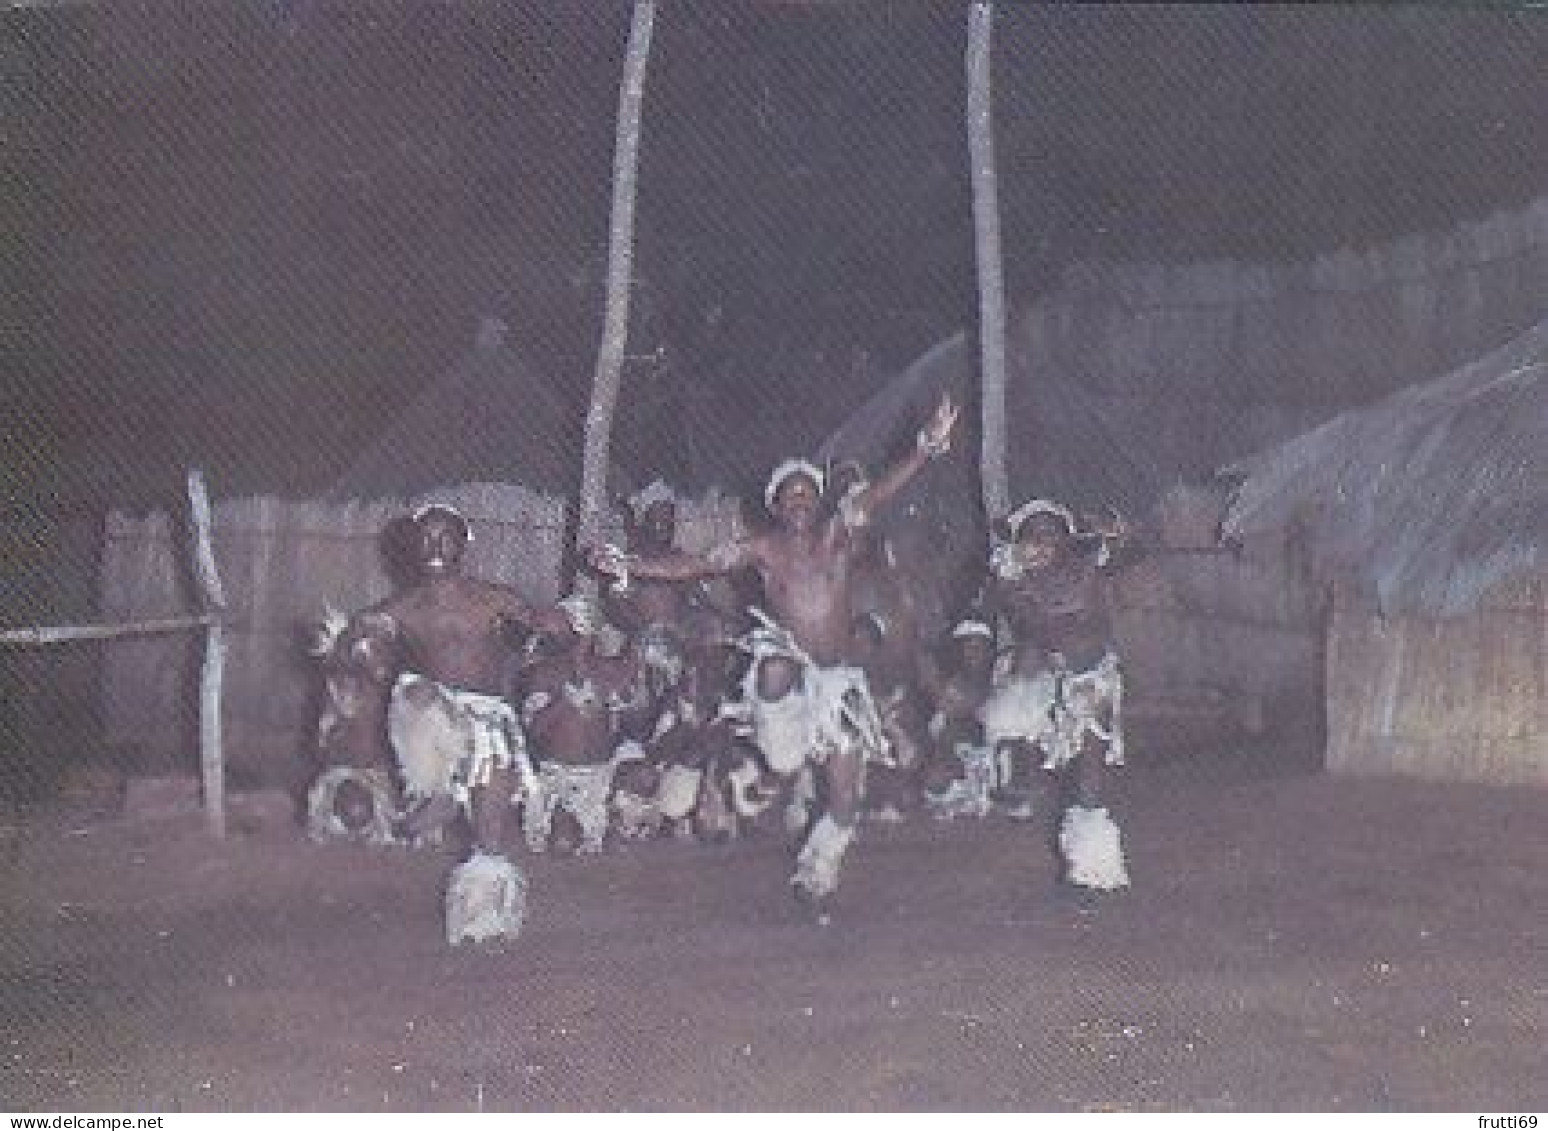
1005,562
932,447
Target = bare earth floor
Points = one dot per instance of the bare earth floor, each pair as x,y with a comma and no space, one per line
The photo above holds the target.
1292,941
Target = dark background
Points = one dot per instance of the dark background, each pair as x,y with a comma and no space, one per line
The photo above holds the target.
245,235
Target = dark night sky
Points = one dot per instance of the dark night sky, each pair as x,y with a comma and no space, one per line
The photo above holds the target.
245,234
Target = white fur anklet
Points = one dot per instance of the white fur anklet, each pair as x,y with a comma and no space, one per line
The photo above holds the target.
485,899
1092,848
817,866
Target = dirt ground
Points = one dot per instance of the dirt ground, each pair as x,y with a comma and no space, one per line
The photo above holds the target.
1292,942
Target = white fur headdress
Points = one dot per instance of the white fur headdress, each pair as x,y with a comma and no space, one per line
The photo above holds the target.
1018,517
424,510
784,471
971,627
647,497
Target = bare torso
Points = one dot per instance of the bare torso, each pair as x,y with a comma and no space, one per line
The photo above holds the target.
453,630
808,581
1059,609
580,696
647,602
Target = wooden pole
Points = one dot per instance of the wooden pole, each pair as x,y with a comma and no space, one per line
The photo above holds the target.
66,634
991,277
620,258
211,677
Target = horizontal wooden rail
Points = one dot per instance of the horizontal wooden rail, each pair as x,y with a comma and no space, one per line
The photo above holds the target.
68,633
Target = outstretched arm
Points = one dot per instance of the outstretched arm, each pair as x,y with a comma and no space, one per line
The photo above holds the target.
673,565
934,440
1113,542
515,609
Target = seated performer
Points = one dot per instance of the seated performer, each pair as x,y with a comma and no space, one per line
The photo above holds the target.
673,627
812,709
1064,694
458,743
892,673
959,772
705,779
654,614
571,704
356,795
887,646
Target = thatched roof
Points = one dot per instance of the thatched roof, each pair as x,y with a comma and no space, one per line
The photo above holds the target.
1426,499
1085,445
1082,445
494,417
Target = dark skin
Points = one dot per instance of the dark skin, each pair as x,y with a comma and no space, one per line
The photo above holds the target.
1060,604
886,628
887,641
956,689
577,729
808,563
892,675
359,671
962,687
454,629
697,619
653,603
648,601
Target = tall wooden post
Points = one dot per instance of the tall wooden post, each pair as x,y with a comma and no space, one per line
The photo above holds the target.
991,276
212,769
620,260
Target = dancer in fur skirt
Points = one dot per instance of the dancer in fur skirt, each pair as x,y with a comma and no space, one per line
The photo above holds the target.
1058,704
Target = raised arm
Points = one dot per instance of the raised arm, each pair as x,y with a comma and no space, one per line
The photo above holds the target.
934,440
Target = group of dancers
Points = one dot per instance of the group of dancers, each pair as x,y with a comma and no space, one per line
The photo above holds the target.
664,704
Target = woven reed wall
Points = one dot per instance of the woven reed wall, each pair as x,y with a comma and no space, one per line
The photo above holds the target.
1463,698
1219,635
1238,628
1310,331
281,563
1269,351
1287,342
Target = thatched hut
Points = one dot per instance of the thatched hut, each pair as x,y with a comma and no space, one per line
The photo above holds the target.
1129,386
490,437
1426,515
